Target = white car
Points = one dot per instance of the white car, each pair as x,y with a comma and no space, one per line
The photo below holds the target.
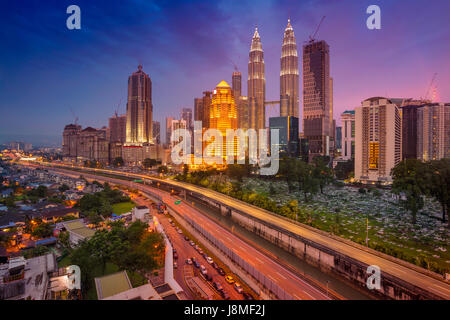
238,287
203,270
209,260
192,243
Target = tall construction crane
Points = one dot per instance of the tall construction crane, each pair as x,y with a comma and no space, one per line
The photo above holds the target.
312,37
74,115
430,86
117,109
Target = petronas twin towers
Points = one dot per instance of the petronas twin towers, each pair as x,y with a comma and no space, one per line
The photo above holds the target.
289,79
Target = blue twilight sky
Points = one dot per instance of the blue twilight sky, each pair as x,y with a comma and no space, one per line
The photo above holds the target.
188,46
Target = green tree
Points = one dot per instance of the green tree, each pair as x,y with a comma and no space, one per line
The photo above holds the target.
409,181
439,184
322,173
287,171
42,230
163,169
343,170
307,183
148,163
118,162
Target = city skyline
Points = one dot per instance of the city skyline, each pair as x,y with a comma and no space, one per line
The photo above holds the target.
410,57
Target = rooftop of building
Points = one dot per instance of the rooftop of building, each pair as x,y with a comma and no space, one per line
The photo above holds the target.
113,284
78,227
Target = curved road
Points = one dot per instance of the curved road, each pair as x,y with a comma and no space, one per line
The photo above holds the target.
291,283
421,280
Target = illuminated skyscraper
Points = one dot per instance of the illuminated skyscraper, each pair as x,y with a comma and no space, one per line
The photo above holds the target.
237,85
139,109
378,145
289,75
256,84
316,97
223,114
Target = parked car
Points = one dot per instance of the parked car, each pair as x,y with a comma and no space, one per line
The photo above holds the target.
200,251
175,255
214,265
207,277
180,231
203,269
192,243
197,247
196,264
238,287
247,296
186,238
188,261
221,272
175,265
193,259
224,295
217,286
209,260
229,279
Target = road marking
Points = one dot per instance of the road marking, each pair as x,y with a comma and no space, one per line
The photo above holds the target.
281,275
297,297
258,259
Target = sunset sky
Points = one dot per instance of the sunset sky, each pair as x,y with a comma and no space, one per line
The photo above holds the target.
188,47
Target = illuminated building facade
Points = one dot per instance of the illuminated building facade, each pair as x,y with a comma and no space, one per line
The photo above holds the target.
117,128
139,109
223,116
237,85
289,75
433,131
377,140
256,84
317,112
348,135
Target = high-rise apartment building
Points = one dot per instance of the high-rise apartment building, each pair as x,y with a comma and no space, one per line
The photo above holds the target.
236,85
289,75
317,114
139,109
377,140
117,126
433,131
157,132
288,134
256,84
243,112
348,135
186,114
168,129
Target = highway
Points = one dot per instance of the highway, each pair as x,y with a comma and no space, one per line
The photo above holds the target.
421,280
290,282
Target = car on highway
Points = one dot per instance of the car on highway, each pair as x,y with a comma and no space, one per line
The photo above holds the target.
247,296
209,260
238,287
207,277
225,295
203,270
217,286
229,279
188,261
221,272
